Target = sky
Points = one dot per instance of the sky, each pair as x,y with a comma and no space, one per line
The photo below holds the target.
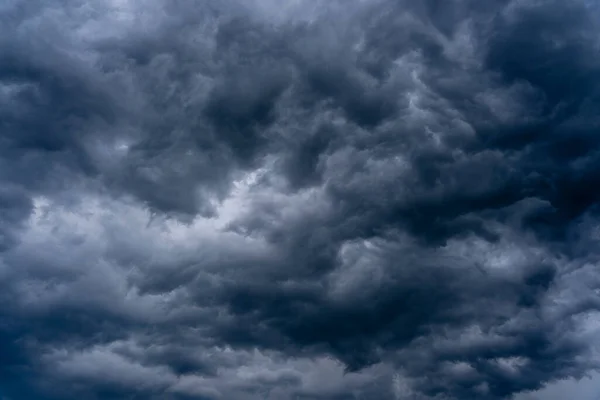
299,200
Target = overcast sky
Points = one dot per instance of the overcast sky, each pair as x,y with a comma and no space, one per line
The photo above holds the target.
299,199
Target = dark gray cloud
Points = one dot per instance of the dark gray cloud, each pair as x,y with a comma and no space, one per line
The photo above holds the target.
298,199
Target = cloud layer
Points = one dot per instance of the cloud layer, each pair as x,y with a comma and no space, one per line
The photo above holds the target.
299,199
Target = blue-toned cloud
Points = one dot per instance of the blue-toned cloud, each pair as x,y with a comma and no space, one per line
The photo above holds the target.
299,199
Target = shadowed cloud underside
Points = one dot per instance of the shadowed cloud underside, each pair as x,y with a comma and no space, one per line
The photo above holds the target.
299,199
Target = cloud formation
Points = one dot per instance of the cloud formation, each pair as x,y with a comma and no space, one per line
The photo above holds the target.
298,199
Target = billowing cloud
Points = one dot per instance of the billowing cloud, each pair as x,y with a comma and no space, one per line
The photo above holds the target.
299,199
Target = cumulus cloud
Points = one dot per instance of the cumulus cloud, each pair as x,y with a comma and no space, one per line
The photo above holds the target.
299,199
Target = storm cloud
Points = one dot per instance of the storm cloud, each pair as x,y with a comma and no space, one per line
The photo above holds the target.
299,199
